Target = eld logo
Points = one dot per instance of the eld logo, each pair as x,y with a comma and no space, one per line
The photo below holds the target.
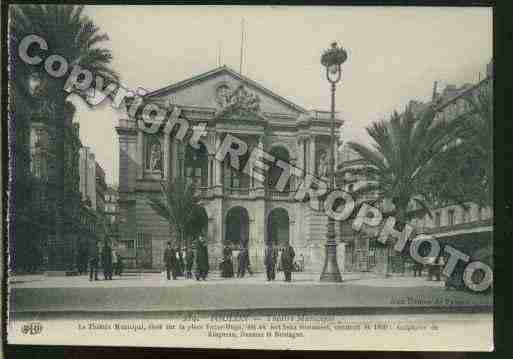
32,328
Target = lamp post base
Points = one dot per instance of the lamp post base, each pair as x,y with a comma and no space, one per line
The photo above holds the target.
330,272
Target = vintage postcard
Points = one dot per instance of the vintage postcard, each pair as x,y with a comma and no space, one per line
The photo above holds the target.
251,177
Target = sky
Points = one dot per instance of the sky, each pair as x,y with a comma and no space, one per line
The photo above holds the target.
394,56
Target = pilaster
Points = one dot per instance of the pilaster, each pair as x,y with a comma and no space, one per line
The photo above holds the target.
311,159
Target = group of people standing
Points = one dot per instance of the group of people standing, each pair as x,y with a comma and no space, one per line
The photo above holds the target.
434,268
108,259
197,257
241,263
282,258
274,259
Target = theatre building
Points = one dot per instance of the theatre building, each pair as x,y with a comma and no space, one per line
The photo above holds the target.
237,208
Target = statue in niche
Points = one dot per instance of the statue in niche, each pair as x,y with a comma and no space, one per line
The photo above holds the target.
155,159
324,165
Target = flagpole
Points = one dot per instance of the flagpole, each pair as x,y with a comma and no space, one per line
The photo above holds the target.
241,46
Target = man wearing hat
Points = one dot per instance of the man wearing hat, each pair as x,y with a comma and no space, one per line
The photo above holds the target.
201,259
170,261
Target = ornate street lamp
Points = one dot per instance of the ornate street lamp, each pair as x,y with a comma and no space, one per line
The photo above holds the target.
332,59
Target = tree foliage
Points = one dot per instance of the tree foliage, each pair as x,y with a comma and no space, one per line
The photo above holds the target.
464,172
396,165
179,206
68,33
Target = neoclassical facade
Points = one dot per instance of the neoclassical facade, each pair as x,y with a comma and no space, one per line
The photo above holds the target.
237,207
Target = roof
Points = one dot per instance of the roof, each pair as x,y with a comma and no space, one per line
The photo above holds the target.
215,72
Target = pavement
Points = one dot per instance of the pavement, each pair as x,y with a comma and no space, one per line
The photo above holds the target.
151,292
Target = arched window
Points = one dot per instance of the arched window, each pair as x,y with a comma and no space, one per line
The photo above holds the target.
196,165
278,227
237,227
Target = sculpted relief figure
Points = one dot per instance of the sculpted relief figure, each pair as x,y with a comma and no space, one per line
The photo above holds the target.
155,163
323,165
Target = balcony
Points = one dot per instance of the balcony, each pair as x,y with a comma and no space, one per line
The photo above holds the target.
246,192
279,195
237,192
204,191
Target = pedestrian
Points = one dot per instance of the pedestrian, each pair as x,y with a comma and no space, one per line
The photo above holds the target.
107,261
235,261
270,262
287,262
278,260
440,262
248,262
93,264
417,269
114,261
170,261
120,265
180,267
81,258
202,266
227,264
301,263
189,260
243,260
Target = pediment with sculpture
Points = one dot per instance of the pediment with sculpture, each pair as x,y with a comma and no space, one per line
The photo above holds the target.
237,104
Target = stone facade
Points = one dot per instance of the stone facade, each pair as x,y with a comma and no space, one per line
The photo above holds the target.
237,207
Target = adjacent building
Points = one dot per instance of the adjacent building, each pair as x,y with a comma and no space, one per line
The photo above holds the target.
35,190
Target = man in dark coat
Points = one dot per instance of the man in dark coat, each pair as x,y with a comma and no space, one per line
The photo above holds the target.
287,262
93,264
417,269
243,261
270,262
201,259
227,264
180,266
107,261
189,262
170,261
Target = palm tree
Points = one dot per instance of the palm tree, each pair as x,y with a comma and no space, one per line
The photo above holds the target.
178,205
404,149
401,157
74,36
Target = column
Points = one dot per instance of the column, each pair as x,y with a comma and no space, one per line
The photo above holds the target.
336,154
210,170
257,235
218,171
301,149
174,159
140,154
311,158
166,154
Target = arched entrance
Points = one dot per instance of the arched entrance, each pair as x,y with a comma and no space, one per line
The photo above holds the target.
278,228
237,227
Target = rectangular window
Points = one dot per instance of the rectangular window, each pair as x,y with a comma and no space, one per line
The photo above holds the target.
481,213
437,219
466,214
451,217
